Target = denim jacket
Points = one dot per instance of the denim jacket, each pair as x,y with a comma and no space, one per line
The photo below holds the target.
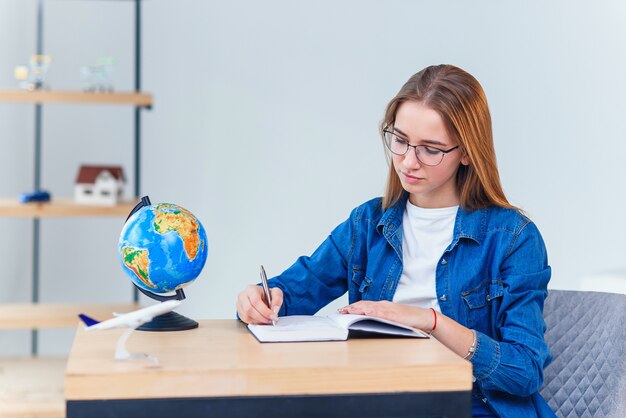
492,278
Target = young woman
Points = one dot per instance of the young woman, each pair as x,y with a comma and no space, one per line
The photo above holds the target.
442,251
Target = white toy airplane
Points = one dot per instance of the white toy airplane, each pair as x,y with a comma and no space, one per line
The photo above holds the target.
130,320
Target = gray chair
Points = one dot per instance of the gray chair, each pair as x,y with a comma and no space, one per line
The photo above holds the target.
587,335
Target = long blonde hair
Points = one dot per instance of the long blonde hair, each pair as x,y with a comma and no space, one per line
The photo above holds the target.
461,102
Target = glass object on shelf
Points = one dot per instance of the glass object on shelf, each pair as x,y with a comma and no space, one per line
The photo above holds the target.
33,76
97,78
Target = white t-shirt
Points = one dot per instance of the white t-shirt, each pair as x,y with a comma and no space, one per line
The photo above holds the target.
426,233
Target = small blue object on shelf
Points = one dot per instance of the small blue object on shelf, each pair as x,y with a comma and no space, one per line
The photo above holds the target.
36,196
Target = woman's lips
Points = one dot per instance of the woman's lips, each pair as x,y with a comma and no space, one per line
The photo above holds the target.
411,179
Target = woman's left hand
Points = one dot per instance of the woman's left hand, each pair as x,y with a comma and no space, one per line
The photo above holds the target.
419,318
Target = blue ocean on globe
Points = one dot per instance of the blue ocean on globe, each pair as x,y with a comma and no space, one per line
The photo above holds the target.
163,247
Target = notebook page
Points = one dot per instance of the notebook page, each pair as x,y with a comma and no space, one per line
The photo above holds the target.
299,328
373,324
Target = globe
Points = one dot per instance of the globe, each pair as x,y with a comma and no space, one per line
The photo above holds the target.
162,247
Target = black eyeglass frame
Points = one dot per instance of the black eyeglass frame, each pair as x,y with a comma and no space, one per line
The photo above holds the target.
385,131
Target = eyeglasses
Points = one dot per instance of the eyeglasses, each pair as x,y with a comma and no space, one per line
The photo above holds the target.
426,154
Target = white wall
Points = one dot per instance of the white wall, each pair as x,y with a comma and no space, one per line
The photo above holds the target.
265,126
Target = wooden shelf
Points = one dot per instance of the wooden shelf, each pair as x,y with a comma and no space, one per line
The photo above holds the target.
55,315
61,207
76,97
32,387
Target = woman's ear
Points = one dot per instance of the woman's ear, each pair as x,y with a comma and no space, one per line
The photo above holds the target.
465,159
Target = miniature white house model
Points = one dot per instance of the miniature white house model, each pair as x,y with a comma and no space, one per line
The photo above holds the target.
99,185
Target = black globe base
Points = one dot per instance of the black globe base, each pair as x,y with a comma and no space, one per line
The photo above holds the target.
170,321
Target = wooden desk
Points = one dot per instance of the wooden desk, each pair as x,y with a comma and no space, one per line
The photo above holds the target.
219,369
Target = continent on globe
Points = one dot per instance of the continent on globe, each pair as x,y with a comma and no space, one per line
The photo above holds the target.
170,217
138,261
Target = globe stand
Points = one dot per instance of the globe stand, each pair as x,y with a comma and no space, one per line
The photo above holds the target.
170,321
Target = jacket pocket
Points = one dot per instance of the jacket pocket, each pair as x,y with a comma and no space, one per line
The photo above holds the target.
359,284
478,302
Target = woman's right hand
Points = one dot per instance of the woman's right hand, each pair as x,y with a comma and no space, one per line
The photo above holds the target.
252,306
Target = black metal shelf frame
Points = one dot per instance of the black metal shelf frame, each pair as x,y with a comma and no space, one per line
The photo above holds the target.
35,294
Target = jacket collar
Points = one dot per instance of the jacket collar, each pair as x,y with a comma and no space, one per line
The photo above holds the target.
471,225
392,217
468,224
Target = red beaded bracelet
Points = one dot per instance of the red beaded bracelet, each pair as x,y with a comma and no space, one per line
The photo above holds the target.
435,324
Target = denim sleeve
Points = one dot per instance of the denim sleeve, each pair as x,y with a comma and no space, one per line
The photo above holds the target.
313,282
514,362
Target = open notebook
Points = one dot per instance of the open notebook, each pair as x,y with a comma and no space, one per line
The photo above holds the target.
329,328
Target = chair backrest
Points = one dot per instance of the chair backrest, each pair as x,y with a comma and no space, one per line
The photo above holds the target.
587,336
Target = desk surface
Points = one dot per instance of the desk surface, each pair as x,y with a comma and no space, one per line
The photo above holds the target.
221,359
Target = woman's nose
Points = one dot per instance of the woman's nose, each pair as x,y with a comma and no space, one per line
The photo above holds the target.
411,160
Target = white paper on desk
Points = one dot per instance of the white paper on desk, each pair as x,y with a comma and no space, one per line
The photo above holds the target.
375,325
299,328
328,328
